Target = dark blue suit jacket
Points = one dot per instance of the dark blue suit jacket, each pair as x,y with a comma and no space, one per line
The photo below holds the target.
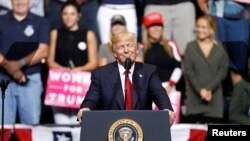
105,91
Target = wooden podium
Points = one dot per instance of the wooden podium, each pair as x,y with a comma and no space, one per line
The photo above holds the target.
122,125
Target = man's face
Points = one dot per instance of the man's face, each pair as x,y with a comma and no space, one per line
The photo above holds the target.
118,28
20,7
125,49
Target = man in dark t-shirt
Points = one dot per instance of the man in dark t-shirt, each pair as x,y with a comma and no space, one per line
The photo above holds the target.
24,39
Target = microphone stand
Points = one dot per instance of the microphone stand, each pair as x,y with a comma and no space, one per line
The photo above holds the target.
3,84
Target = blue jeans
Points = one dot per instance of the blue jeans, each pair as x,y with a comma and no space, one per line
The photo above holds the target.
88,19
53,14
24,99
232,30
234,33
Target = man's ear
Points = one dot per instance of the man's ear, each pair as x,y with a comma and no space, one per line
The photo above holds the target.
115,56
112,49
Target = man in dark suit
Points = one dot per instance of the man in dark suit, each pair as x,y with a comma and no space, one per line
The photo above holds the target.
107,89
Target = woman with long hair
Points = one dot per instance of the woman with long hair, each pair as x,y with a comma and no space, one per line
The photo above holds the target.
205,67
71,48
161,52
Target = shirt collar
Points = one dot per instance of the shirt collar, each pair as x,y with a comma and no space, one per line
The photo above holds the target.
11,16
122,69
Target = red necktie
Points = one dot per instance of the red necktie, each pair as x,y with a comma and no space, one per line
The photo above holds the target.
128,95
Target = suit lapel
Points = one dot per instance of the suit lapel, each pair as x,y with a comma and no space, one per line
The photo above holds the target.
137,84
117,92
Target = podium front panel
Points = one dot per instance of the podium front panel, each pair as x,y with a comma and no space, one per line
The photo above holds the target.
97,124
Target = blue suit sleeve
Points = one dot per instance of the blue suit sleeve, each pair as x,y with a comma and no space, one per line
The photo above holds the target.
159,94
92,98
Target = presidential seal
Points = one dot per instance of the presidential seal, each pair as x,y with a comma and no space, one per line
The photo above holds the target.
125,130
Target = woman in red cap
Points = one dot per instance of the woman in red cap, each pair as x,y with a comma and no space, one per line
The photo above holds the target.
161,51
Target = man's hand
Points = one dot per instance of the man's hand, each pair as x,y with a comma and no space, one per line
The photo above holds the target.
19,76
203,4
12,66
80,114
171,117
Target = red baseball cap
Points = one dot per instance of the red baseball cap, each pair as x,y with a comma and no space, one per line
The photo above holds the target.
152,19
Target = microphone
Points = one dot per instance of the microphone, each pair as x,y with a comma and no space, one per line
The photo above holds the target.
127,64
128,92
71,64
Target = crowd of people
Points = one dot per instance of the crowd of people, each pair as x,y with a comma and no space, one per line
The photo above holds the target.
207,54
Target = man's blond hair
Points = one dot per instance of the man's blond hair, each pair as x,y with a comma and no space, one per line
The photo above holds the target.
123,36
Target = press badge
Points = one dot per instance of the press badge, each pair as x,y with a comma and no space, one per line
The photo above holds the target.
29,30
82,46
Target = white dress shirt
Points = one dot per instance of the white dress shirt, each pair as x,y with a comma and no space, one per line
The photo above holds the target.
122,75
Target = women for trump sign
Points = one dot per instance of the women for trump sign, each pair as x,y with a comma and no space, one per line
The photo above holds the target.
243,1
66,88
